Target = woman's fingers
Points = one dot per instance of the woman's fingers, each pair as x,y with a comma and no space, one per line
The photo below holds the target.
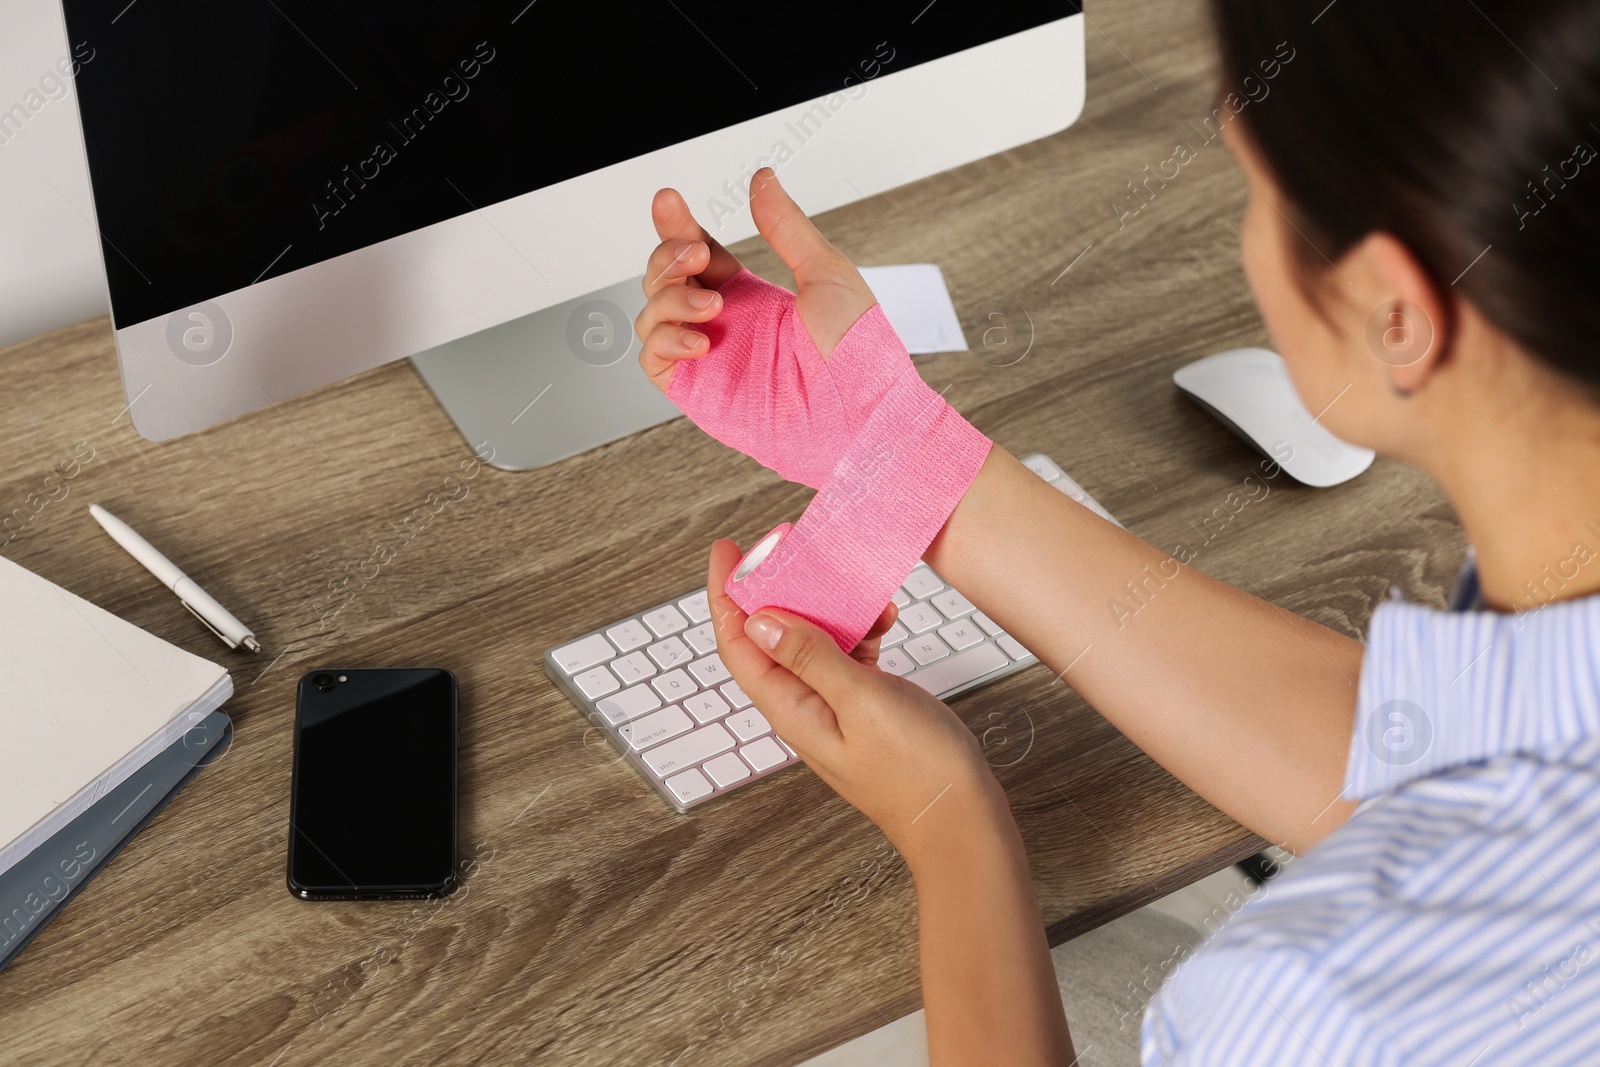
666,326
675,222
800,716
867,651
674,263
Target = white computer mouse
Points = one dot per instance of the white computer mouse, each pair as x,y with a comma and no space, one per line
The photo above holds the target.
1250,391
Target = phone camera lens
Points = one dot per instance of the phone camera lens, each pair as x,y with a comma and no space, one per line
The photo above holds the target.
323,682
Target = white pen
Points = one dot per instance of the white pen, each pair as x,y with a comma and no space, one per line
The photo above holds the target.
218,619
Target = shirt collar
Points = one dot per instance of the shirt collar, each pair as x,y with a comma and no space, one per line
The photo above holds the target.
1440,689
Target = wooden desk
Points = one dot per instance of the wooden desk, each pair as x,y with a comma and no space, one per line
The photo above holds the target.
599,926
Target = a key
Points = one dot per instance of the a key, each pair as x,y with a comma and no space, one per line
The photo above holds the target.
959,635
953,604
702,639
629,704
687,750
629,635
959,669
920,618
697,606
1013,647
726,769
896,661
634,667
736,696
581,655
709,671
597,683
689,786
923,582
748,724
674,685
655,727
669,653
764,754
706,706
894,636
990,627
665,621
927,648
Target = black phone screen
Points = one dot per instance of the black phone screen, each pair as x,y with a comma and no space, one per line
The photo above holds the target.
373,805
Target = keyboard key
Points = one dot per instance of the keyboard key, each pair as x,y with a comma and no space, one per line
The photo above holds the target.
629,635
634,667
990,627
670,653
920,618
748,724
597,683
709,671
726,769
922,582
901,598
702,639
629,704
697,607
706,706
736,696
674,685
689,749
959,635
1044,467
689,786
959,669
764,754
787,749
896,634
927,648
896,661
953,604
581,655
665,621
655,727
1013,647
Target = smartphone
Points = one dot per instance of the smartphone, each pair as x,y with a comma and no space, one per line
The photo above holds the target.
372,808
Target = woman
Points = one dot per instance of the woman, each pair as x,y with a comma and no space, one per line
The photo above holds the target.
1429,167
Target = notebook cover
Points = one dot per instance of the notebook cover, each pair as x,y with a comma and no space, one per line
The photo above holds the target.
89,698
37,887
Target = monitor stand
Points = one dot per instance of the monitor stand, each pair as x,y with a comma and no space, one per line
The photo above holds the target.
551,384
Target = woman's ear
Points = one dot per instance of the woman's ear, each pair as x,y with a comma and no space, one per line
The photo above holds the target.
1412,326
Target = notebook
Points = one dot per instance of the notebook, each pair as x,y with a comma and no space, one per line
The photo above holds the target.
86,699
39,885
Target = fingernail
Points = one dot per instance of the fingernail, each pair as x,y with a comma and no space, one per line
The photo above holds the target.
764,630
701,298
691,340
683,249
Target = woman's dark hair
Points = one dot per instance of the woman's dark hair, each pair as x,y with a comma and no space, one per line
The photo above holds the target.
1457,127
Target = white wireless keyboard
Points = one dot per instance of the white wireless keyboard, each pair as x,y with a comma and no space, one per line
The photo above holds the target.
654,682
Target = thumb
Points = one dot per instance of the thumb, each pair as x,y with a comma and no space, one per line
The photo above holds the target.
796,239
807,652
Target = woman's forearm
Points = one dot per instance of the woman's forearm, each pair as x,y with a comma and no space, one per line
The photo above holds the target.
988,984
1249,705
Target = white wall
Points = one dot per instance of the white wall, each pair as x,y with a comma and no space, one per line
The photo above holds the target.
50,271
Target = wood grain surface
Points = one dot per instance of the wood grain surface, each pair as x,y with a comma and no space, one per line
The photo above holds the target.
597,926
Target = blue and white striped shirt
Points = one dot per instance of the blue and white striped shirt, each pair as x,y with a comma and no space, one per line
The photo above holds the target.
1455,918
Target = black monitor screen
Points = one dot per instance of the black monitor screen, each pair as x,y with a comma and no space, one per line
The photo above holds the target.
231,142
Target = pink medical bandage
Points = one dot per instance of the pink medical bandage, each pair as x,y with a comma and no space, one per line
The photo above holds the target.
762,387
864,531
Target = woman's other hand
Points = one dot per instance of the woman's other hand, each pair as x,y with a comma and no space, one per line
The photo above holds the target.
689,265
886,745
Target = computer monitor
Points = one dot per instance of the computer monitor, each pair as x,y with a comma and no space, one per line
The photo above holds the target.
290,192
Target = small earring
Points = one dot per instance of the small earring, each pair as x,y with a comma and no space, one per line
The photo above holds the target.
1395,390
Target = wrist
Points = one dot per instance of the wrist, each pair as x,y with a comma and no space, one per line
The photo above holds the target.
969,824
